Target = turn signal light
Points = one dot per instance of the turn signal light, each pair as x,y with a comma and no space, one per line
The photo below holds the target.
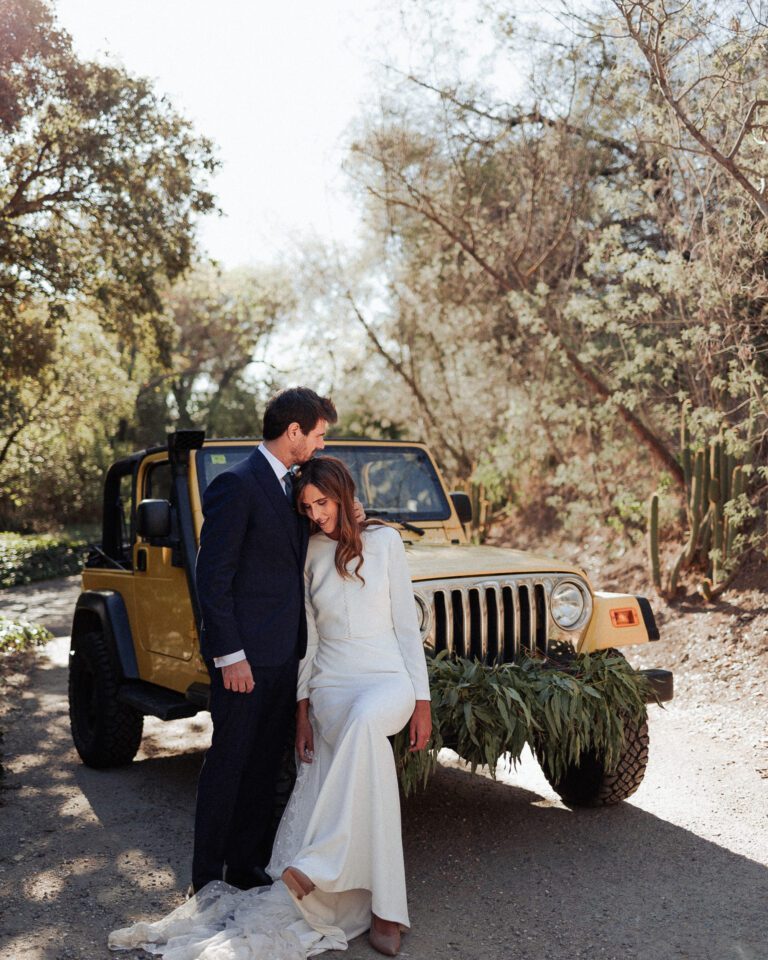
624,617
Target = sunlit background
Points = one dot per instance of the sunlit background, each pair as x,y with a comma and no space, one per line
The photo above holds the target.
276,87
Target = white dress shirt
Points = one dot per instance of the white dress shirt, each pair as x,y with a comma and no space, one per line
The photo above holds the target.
280,471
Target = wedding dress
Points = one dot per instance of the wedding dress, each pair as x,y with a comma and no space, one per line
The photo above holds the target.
363,671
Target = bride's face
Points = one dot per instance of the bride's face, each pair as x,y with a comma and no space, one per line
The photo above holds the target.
318,506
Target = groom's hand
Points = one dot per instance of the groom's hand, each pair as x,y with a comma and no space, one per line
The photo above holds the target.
238,677
359,511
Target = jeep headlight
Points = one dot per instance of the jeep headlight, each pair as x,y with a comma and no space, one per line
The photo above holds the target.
424,615
569,604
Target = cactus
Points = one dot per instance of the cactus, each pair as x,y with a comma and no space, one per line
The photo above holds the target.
714,477
653,541
696,512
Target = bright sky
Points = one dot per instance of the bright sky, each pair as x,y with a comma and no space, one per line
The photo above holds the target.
274,85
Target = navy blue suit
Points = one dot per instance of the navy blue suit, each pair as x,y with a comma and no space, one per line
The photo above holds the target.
251,587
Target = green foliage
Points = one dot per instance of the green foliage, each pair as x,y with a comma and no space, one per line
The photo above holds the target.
717,506
548,279
24,559
219,323
493,711
18,635
53,462
101,183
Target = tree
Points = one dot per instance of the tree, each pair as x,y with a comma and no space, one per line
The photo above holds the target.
100,185
604,271
511,192
101,182
219,324
53,460
708,61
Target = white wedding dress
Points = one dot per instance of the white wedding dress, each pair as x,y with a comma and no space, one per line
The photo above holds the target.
363,671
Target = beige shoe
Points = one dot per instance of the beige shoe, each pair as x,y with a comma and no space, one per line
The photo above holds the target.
298,883
384,936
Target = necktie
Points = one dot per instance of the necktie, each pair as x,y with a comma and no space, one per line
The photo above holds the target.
288,485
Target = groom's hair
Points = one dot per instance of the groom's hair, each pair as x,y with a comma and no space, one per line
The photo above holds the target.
296,405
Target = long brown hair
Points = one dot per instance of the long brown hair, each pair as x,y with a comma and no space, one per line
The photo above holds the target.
332,478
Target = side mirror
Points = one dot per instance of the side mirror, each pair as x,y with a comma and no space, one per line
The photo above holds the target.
153,519
463,506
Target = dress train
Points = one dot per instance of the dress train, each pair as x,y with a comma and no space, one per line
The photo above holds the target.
222,922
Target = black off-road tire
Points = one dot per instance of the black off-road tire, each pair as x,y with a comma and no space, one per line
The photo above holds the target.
587,784
106,733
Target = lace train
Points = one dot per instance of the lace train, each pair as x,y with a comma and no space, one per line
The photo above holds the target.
224,923
266,923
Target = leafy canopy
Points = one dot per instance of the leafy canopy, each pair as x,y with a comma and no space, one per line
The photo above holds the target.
100,184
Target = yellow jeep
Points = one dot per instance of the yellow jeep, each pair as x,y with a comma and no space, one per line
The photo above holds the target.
135,651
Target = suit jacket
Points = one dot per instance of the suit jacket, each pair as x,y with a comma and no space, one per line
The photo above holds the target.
250,567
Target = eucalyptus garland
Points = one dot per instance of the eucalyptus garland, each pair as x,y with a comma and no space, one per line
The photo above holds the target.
560,709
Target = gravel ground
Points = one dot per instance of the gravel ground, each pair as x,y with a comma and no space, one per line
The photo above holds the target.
496,870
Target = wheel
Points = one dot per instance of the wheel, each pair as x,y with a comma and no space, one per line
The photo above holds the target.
106,733
587,784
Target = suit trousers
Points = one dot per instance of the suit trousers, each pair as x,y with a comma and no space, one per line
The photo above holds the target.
234,817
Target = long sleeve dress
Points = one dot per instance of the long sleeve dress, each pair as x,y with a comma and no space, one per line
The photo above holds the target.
363,671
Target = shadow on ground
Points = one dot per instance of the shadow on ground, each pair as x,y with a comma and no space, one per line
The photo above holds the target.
495,871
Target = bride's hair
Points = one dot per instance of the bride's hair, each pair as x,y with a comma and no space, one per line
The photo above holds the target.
332,478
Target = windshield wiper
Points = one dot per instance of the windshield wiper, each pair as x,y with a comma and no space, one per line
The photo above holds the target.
388,515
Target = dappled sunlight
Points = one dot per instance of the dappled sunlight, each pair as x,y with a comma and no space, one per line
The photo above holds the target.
189,736
28,761
44,886
48,938
151,874
75,807
97,849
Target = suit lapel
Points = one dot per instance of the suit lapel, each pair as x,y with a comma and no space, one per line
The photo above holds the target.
275,494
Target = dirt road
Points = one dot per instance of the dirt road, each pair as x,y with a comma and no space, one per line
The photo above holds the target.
496,870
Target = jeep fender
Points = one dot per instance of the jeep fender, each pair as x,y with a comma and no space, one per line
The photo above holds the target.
108,608
618,620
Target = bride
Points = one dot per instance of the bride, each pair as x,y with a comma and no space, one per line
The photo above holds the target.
338,851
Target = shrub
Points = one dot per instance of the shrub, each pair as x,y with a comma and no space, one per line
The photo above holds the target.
18,635
24,559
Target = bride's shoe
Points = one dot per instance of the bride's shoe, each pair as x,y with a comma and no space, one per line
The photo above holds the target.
298,883
384,936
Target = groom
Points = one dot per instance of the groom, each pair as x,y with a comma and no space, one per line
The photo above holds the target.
251,588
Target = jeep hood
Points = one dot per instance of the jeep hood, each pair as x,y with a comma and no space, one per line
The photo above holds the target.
435,561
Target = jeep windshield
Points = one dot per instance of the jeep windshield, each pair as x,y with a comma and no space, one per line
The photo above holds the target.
391,481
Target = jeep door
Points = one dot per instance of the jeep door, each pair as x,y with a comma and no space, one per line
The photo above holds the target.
164,612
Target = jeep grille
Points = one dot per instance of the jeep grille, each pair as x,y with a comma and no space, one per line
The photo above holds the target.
493,620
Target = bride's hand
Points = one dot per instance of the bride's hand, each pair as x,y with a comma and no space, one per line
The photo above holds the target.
305,742
420,729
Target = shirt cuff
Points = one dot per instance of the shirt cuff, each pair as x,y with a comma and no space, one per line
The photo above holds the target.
229,659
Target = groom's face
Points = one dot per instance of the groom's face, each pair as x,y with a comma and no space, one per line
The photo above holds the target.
306,445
